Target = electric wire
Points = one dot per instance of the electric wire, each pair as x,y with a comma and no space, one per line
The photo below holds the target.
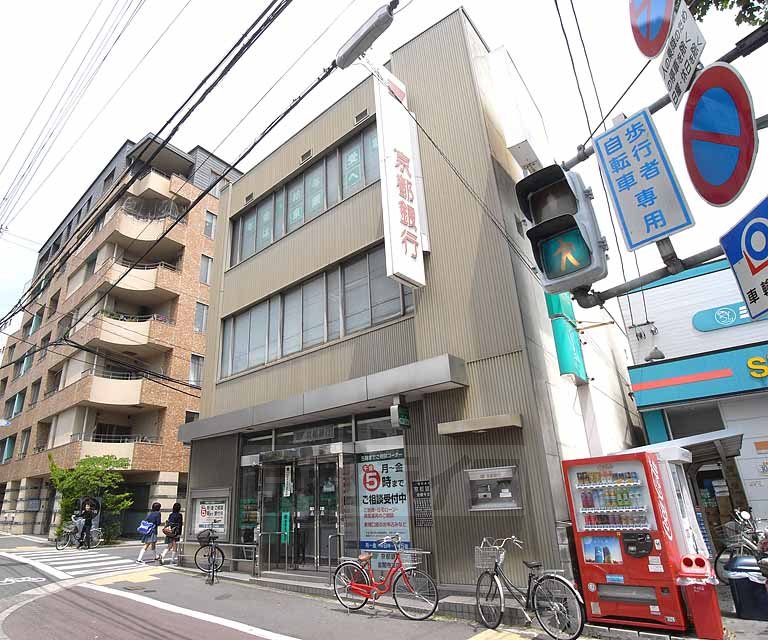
103,108
573,64
602,182
119,188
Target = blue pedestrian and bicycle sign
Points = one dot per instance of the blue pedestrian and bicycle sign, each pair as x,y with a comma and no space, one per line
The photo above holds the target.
647,198
746,248
651,21
719,134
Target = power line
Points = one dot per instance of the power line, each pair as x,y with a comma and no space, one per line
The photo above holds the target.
119,189
602,182
103,108
573,64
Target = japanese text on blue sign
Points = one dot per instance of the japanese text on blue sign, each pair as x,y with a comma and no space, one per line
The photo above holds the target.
648,201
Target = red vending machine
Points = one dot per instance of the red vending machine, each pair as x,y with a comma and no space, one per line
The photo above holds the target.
642,557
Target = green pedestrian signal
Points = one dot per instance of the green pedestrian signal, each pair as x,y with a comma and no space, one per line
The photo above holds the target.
564,254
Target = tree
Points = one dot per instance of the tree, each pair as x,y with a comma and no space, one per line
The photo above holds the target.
97,477
752,12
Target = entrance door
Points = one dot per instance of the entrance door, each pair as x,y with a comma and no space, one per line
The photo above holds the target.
305,516
328,509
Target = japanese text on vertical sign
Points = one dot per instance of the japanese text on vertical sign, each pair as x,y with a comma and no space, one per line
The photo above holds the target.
681,55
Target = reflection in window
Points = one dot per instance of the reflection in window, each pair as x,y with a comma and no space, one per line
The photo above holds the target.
333,304
332,178
292,322
258,335
264,225
242,332
314,192
280,214
371,150
351,167
313,315
375,428
385,292
357,310
296,204
274,328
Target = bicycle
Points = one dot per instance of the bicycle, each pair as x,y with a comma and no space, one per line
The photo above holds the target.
414,591
558,606
747,540
70,536
209,558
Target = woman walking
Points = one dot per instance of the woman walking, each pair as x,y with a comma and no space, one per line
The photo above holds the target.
173,528
150,538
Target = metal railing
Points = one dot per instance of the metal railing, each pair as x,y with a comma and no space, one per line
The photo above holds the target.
228,556
39,449
125,317
110,438
339,548
125,262
269,548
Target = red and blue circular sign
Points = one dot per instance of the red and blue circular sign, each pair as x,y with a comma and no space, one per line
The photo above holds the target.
651,22
719,134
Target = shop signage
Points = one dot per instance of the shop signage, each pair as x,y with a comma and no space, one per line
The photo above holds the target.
722,317
400,416
399,195
684,47
382,497
211,514
422,503
758,367
570,356
314,434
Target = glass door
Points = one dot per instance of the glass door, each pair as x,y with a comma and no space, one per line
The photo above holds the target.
328,509
276,510
305,516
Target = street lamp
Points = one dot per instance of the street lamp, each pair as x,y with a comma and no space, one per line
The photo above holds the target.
366,35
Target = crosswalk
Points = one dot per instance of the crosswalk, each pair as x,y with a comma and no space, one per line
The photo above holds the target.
75,563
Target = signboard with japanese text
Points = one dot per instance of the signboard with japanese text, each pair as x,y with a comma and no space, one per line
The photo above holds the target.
682,54
648,200
422,503
399,193
383,497
746,247
211,514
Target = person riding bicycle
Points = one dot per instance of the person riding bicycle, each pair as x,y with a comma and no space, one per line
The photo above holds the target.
87,515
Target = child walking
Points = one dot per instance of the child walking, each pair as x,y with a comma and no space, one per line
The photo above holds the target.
150,538
173,528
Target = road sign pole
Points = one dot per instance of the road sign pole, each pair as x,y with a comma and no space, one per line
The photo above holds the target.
761,122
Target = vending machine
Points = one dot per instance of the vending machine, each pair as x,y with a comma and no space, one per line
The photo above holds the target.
642,557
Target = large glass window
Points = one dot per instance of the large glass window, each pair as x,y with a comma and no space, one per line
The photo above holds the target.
375,428
307,195
341,301
196,370
313,312
206,263
351,167
292,321
264,226
210,225
296,203
258,342
357,302
314,191
201,317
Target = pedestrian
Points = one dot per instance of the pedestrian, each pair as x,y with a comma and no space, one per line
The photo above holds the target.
149,538
85,532
172,530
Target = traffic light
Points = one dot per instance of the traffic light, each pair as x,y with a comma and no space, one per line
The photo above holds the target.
565,237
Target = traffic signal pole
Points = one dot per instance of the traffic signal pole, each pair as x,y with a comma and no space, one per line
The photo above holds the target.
673,264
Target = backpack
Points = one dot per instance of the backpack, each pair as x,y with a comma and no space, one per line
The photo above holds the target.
146,527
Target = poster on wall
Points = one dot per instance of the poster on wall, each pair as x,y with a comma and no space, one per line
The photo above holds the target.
211,514
382,497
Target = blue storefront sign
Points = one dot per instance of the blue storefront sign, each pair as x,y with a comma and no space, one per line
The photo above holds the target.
722,317
718,373
570,357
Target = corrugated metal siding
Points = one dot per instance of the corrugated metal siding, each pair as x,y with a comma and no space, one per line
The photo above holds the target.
390,346
204,164
345,229
213,463
321,134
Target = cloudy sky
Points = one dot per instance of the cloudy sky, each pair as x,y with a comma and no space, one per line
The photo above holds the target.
35,37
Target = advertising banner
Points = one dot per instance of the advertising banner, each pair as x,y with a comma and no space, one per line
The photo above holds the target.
211,514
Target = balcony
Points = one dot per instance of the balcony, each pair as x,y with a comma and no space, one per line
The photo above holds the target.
143,335
144,284
152,184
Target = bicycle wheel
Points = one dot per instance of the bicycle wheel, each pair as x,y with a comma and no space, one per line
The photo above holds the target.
63,541
558,607
96,538
203,554
415,594
346,574
489,595
724,557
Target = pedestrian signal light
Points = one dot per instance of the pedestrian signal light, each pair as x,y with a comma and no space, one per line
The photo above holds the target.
565,237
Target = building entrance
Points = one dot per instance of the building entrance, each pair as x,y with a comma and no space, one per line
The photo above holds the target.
300,504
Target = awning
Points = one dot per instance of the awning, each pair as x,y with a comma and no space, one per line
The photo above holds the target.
713,446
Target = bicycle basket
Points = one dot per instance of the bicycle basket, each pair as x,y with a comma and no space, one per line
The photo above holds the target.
487,557
204,537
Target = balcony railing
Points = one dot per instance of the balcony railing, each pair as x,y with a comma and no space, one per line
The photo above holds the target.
123,317
114,438
147,265
39,449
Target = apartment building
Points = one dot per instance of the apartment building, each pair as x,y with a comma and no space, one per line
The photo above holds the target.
341,404
94,398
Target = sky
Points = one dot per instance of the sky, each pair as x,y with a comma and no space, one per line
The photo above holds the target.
35,37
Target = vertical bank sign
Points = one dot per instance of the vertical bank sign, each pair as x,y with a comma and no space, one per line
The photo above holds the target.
401,204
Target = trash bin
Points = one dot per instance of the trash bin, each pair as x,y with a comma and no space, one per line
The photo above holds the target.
748,588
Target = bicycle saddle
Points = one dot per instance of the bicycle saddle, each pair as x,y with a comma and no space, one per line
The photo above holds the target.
364,557
532,564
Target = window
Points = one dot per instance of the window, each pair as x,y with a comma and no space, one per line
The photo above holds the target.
37,320
217,187
307,195
15,404
3,386
206,263
25,435
351,167
210,225
695,419
191,416
109,179
27,329
201,317
90,265
26,363
10,350
196,370
10,445
34,392
44,346
311,313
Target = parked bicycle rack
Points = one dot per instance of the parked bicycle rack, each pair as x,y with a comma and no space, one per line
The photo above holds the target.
269,552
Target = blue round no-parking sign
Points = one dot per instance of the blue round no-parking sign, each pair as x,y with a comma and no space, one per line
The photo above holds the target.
651,21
